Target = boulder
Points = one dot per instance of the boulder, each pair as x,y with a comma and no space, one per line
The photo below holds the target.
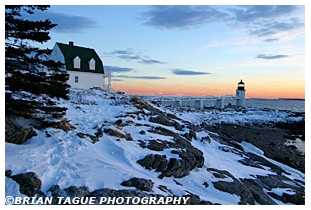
206,138
257,192
15,133
157,145
172,165
114,132
160,119
191,157
166,120
118,122
190,135
128,137
154,161
142,143
74,191
139,183
298,198
29,183
142,132
56,191
233,187
8,173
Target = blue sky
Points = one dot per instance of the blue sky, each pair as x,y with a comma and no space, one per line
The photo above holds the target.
191,50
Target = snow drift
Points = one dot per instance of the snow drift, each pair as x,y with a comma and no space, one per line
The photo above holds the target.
113,138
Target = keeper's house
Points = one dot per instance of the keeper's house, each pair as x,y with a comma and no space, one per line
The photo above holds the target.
83,65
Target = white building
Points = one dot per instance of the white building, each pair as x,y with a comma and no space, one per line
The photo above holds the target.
83,65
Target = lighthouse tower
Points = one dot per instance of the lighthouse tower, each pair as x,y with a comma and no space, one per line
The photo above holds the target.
240,94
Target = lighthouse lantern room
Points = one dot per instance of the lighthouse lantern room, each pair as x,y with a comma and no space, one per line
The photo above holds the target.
241,85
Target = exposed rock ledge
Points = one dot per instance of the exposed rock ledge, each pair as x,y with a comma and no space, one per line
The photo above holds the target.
249,190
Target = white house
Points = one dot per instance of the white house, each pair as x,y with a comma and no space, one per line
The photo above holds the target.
83,65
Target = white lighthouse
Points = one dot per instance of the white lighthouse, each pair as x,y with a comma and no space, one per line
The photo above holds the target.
240,94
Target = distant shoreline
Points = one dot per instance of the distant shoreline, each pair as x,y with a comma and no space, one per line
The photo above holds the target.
298,99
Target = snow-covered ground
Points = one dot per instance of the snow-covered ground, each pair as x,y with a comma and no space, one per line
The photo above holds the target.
232,116
65,159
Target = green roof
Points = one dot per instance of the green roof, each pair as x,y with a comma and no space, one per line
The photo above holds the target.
85,54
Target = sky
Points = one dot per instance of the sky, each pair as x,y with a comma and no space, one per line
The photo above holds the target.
191,49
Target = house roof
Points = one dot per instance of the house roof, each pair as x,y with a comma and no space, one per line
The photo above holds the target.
71,51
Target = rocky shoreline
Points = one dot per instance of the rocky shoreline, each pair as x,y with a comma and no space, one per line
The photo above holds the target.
180,155
271,139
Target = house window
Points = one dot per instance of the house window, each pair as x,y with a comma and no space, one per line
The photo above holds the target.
92,64
76,62
76,79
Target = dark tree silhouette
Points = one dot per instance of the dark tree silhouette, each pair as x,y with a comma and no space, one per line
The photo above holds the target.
34,85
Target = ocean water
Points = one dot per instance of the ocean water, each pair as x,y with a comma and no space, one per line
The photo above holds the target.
279,104
282,104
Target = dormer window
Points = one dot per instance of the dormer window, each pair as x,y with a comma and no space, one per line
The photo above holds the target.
92,64
76,62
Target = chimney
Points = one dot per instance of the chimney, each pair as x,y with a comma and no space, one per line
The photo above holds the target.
70,43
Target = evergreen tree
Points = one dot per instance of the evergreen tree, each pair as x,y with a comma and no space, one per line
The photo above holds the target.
33,83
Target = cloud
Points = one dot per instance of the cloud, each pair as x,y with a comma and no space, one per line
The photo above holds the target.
68,23
65,23
180,17
263,20
117,69
187,72
275,27
271,40
129,55
141,77
254,13
150,61
259,20
270,57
